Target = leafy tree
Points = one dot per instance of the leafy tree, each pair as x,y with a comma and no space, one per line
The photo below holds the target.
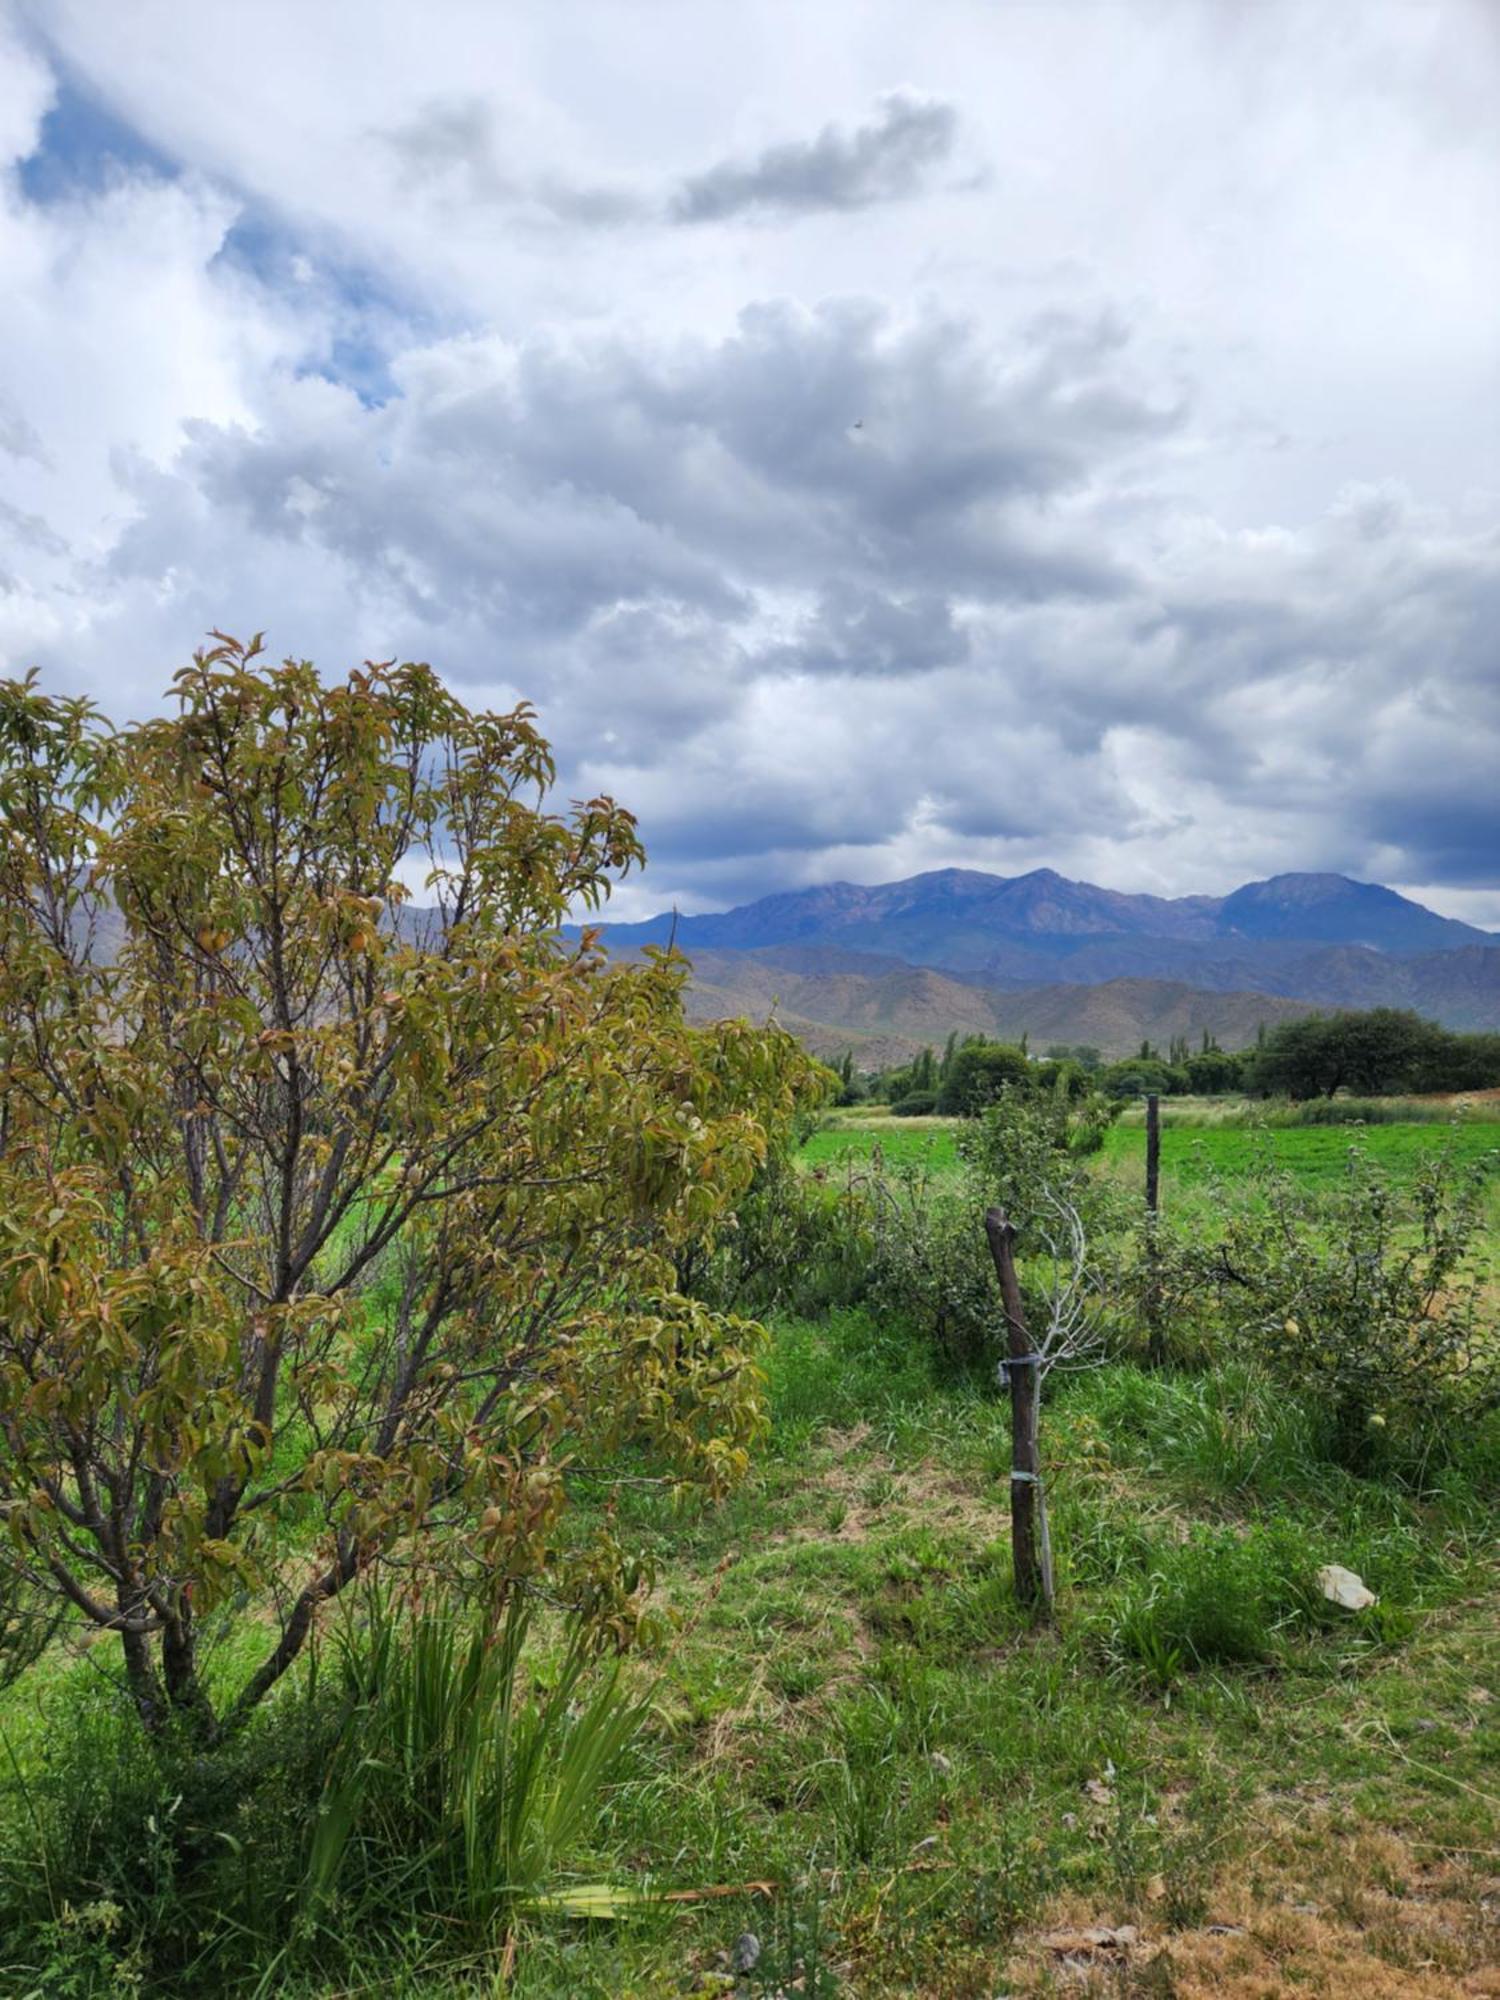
1460,1062
979,1073
1137,1075
850,1087
1212,1072
1380,1050
334,1230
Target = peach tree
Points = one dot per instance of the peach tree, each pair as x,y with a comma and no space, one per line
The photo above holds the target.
340,1184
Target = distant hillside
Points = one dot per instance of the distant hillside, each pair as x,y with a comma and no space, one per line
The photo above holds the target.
1320,938
885,1011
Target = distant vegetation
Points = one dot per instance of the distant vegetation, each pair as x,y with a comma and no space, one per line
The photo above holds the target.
1380,1052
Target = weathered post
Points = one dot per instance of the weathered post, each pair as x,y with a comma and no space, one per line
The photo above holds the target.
1030,1555
1156,1339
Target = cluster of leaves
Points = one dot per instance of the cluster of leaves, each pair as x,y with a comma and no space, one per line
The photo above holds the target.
335,1229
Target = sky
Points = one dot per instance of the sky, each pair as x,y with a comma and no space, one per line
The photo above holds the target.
875,437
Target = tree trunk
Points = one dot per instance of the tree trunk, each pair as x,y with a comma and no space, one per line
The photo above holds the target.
1030,1556
141,1679
179,1663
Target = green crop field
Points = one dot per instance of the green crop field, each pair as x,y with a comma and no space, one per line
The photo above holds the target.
1190,1153
901,1143
1316,1153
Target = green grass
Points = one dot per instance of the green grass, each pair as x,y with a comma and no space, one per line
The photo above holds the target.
902,1143
1313,1153
857,1692
856,1715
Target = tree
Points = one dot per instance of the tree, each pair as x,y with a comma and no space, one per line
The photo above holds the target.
979,1073
1381,1050
335,1230
1213,1071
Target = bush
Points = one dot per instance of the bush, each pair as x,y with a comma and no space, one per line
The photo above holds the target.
928,1264
132,1861
1369,1295
915,1104
795,1242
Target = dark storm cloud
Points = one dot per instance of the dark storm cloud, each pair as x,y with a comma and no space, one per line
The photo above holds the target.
889,159
557,483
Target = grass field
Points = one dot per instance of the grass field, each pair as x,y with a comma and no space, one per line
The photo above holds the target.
1202,1779
1190,1152
901,1142
905,1789
1313,1153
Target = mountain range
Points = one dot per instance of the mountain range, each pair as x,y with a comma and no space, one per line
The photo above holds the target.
1070,961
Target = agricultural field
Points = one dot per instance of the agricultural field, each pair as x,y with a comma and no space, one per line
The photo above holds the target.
1200,1139
846,1141
1314,1153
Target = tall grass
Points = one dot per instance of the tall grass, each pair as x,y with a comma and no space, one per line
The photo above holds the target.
458,1787
419,1794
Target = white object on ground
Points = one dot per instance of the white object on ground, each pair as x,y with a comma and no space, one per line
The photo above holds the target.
1342,1586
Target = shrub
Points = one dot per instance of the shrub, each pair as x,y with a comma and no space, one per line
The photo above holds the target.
1369,1294
795,1241
929,1266
915,1104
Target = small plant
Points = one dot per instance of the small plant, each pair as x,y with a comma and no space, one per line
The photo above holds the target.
460,1785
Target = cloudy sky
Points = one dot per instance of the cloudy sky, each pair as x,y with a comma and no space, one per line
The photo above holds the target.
876,436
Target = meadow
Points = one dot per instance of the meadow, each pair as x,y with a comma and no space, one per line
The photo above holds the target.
863,1769
1201,1138
1201,1778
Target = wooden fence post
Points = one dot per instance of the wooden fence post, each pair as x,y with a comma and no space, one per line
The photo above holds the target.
1030,1555
1156,1348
